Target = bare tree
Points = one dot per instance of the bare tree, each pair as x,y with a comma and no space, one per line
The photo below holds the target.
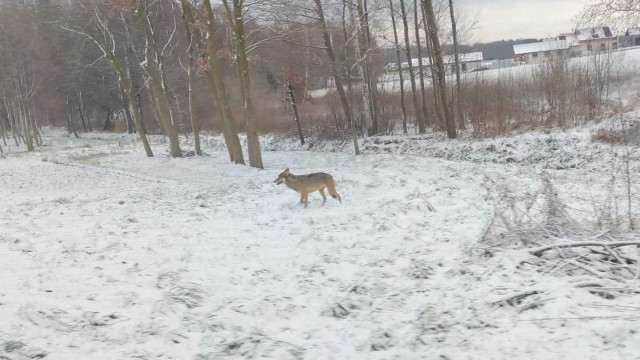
621,13
423,124
399,66
294,104
458,97
440,70
213,73
346,107
152,67
236,20
369,84
191,74
219,89
105,40
407,44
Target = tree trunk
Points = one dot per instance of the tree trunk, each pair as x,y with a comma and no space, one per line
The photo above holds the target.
399,62
107,121
334,72
434,84
79,102
351,53
422,125
195,124
407,43
133,102
458,97
295,112
125,83
368,83
373,78
219,90
127,114
191,54
440,71
236,20
152,69
3,128
70,127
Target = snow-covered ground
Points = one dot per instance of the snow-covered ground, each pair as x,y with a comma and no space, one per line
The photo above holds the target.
107,254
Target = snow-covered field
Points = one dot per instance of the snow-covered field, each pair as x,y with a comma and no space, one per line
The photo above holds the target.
625,60
107,254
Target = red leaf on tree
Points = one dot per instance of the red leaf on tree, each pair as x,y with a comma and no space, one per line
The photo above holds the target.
122,6
202,65
225,53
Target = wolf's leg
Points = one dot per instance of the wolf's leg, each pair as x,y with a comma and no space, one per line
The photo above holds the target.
324,197
306,199
301,199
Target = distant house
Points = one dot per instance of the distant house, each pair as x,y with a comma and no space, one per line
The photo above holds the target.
590,40
580,42
391,67
534,52
468,62
630,38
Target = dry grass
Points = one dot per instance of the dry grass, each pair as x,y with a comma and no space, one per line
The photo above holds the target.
610,136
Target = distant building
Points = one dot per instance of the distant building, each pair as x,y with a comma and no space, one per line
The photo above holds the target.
391,67
589,40
468,62
535,52
579,42
630,38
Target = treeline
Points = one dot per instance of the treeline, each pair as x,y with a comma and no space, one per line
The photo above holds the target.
176,67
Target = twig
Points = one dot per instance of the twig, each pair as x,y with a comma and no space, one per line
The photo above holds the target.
540,250
614,317
515,299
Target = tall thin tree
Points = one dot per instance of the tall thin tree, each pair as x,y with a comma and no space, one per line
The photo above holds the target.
399,66
458,97
235,17
422,125
151,67
219,88
407,44
440,70
346,107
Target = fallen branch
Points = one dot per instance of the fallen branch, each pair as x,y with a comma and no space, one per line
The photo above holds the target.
516,299
538,251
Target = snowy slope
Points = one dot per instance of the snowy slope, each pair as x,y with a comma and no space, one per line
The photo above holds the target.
627,60
107,254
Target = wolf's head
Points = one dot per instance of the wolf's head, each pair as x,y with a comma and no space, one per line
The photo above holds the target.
282,177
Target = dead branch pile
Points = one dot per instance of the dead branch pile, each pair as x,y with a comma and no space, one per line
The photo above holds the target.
596,255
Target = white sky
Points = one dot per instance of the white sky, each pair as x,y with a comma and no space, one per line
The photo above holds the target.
512,19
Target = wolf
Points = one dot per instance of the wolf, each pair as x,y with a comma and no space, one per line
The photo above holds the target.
305,184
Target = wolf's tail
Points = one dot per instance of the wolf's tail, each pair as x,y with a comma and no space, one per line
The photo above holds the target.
331,186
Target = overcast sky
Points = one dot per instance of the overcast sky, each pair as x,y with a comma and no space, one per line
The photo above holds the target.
512,19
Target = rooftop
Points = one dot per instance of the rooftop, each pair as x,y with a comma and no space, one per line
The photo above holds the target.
542,46
599,32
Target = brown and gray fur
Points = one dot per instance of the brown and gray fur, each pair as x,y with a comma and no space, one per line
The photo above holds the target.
305,184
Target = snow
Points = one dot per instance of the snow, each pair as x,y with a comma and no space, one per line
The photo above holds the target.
449,59
627,60
542,46
107,254
601,32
